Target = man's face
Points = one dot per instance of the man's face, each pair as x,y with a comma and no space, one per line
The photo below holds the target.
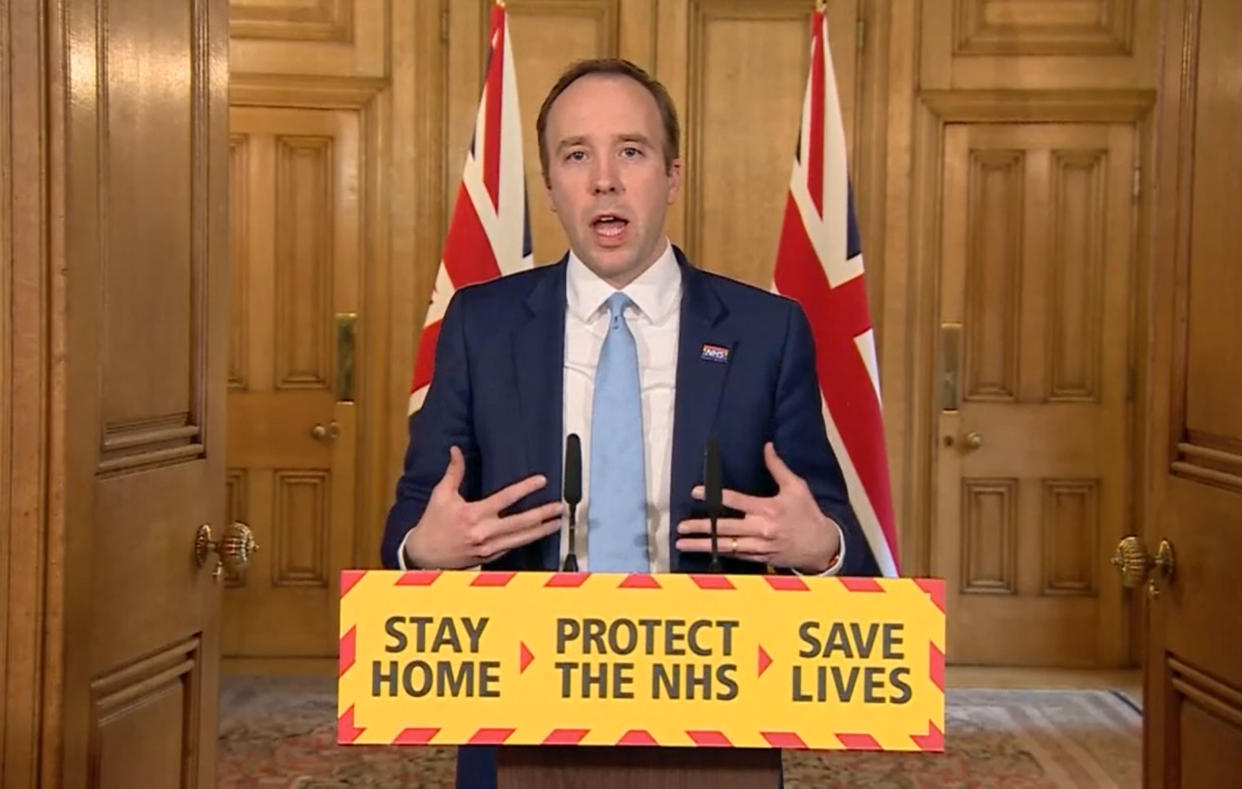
608,182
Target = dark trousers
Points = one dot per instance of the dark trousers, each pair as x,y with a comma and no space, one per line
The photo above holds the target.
476,767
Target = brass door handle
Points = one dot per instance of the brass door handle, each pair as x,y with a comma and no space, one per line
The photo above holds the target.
974,440
233,550
330,433
1133,563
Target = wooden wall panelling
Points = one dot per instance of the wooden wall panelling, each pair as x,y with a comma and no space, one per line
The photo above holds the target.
740,110
413,224
320,37
1032,44
30,514
891,197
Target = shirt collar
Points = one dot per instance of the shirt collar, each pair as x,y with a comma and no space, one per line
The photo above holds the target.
656,292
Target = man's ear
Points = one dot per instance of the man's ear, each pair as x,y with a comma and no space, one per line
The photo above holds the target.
547,193
674,181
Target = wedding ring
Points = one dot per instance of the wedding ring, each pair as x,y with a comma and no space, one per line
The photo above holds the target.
733,544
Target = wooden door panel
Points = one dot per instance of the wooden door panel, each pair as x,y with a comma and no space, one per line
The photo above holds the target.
1194,656
1032,464
1205,725
141,714
324,38
296,268
146,288
1037,43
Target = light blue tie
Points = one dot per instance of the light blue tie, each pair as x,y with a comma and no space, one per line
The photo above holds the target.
617,511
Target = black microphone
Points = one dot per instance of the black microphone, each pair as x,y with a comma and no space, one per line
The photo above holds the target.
573,494
712,494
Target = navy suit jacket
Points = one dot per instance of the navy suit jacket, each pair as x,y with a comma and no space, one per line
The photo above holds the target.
498,388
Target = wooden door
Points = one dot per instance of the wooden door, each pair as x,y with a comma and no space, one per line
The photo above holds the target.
295,257
1193,697
140,165
1032,464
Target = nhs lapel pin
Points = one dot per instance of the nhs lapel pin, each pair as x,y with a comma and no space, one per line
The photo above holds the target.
715,353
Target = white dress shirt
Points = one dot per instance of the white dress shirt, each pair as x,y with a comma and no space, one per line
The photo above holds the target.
654,320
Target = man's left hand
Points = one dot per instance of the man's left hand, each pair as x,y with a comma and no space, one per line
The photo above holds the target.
785,530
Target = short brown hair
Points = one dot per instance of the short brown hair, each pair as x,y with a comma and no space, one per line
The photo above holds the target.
620,67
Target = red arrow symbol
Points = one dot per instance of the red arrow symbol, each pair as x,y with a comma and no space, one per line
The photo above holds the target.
526,658
764,660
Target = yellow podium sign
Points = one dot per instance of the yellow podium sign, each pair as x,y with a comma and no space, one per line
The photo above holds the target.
754,661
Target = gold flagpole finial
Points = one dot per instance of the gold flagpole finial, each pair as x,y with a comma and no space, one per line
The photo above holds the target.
500,3
821,5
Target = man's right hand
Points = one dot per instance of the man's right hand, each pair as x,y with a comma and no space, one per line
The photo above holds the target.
454,533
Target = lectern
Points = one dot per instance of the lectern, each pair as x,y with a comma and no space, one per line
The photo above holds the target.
638,680
636,767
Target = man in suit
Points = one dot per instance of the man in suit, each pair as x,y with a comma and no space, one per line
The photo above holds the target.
626,344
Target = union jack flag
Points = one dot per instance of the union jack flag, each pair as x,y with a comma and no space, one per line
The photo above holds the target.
819,264
489,234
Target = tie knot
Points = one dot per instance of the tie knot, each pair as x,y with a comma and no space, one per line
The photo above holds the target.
617,303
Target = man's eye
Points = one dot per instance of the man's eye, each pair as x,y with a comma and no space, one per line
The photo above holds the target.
630,152
575,156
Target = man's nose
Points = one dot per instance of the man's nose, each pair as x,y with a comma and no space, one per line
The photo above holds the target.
605,180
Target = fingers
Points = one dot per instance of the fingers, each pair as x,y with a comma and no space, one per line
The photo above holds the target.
507,497
522,521
455,472
728,527
745,548
504,543
780,472
751,505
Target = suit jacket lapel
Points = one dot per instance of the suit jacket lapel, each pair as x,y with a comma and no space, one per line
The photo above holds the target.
539,358
701,377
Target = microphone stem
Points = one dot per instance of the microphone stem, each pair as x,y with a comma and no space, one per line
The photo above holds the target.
714,566
571,556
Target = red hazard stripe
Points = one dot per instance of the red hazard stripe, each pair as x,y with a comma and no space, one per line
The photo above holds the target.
490,736
783,739
765,660
350,579
525,656
934,588
710,738
932,741
859,742
639,581
570,580
937,666
415,736
493,578
346,732
786,583
861,584
637,737
348,651
566,736
712,582
418,578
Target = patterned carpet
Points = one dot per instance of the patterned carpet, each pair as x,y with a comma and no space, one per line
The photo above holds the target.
280,732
